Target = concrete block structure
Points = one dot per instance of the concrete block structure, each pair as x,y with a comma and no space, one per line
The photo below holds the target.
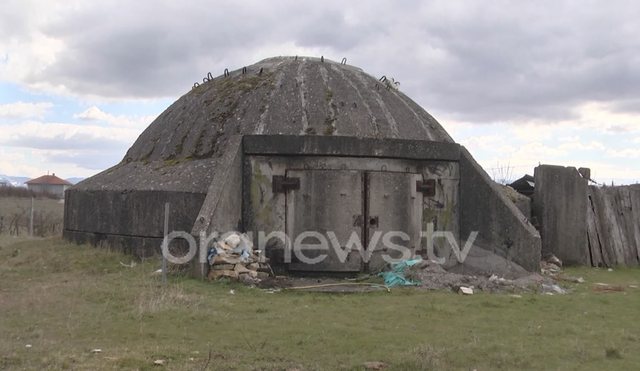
295,144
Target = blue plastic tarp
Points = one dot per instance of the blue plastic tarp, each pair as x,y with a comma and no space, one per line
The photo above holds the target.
395,277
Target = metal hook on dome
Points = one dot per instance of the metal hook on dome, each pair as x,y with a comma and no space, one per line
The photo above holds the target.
195,85
205,79
260,72
344,61
244,70
209,76
296,58
226,72
383,78
322,58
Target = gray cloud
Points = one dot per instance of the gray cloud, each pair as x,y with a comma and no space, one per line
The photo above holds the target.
476,61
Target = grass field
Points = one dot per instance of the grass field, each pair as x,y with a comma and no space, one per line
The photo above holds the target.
65,300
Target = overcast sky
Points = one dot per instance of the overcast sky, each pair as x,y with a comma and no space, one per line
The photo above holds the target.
519,83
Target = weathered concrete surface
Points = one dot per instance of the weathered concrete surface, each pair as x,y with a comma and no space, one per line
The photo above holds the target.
613,225
502,228
522,202
221,210
560,207
133,213
292,96
290,145
182,155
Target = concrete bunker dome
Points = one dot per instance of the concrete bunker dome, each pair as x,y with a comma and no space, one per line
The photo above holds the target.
362,154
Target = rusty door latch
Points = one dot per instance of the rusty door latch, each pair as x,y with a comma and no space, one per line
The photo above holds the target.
282,184
426,187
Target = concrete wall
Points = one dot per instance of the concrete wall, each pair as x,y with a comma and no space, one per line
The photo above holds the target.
92,216
221,210
560,207
53,189
613,225
502,228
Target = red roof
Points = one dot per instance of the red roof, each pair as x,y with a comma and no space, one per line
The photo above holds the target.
49,179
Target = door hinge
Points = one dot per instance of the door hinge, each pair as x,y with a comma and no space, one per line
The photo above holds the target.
282,184
426,187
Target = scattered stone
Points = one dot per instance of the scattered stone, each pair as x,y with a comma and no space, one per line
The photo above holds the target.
97,350
516,296
552,259
465,290
159,362
549,269
240,268
235,258
604,287
223,267
571,279
28,346
216,274
232,292
552,289
376,365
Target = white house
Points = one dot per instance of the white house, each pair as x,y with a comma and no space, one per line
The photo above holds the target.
50,184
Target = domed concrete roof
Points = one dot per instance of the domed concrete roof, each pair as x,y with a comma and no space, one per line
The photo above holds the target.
282,95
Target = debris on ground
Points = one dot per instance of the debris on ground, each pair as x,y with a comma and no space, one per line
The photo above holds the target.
550,265
605,287
396,276
376,365
465,290
552,289
132,265
235,258
159,362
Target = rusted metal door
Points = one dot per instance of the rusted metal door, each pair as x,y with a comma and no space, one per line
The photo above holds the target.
393,217
329,203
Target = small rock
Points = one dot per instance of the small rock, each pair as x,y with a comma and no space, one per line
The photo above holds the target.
610,270
376,365
465,290
240,268
232,292
554,260
28,346
552,289
262,275
516,296
215,274
97,350
159,362
222,267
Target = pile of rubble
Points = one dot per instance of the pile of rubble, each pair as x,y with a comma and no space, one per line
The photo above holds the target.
234,258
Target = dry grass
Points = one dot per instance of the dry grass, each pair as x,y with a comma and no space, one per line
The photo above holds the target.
15,212
65,300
